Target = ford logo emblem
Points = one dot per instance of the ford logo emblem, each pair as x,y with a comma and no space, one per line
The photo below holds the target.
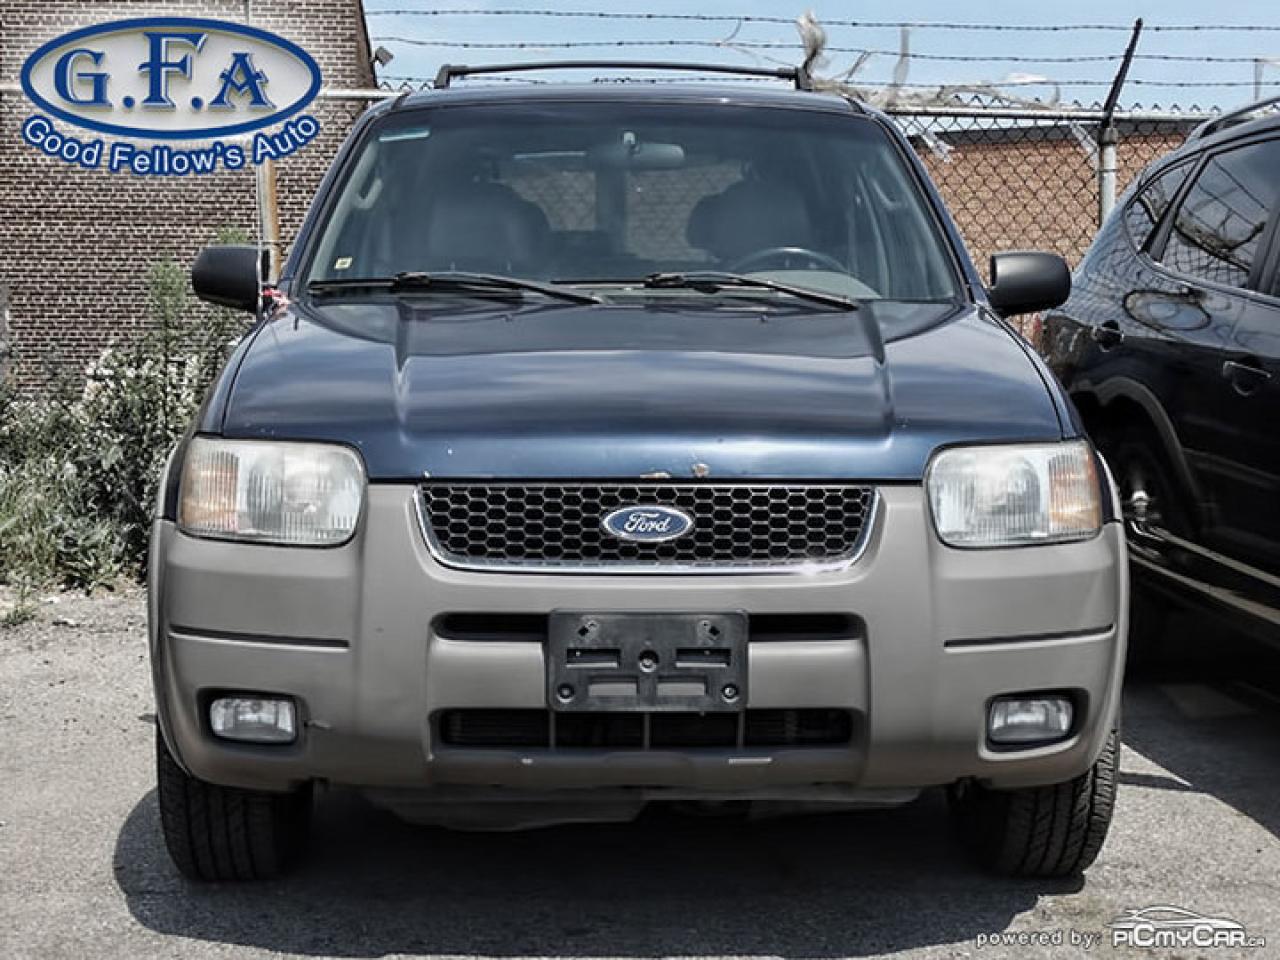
647,524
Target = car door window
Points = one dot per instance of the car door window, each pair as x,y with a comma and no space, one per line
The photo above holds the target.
1217,230
1148,207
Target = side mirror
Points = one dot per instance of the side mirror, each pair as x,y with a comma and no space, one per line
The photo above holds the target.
1024,282
228,276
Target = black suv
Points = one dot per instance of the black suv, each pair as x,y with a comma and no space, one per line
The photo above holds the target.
1170,347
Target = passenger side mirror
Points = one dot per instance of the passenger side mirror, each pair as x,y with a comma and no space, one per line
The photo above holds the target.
230,276
1024,281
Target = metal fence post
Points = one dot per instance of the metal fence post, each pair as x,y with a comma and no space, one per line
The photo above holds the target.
1107,139
269,218
4,333
1107,134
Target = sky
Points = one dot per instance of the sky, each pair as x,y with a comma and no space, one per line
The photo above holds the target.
1153,82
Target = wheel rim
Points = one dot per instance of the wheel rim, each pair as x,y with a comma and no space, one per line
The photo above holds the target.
1141,499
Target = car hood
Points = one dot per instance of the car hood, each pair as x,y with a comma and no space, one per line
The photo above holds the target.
443,387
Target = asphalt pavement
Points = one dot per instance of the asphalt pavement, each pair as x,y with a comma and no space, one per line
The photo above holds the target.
83,872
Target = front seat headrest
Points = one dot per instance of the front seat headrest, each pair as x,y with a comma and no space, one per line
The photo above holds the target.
748,216
486,227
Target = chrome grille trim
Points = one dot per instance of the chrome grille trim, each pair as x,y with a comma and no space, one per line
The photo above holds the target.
869,498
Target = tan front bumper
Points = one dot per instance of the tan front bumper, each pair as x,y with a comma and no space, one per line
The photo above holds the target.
349,632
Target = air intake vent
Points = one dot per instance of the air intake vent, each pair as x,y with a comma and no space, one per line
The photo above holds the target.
521,729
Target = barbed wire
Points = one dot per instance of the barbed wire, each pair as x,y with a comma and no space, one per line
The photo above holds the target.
1037,82
815,50
866,24
794,45
961,102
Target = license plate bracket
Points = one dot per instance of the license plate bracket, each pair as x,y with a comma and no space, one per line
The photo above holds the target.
642,662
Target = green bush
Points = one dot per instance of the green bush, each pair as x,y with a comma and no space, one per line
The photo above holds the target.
78,469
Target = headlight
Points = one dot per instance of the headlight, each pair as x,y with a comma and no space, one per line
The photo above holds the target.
305,494
1016,494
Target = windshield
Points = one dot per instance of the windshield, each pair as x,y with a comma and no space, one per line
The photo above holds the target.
608,192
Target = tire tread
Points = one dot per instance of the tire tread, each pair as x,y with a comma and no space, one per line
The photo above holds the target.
217,833
1051,831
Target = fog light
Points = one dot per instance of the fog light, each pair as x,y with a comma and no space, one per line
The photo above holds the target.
1022,720
255,719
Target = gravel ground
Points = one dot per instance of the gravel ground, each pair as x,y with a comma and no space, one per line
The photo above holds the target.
83,873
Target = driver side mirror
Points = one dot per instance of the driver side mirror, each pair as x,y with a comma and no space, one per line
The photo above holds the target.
230,276
1025,281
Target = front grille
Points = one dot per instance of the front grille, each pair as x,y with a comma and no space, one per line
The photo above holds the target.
523,729
736,526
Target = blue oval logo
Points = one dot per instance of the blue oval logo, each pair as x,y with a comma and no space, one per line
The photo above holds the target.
647,523
171,78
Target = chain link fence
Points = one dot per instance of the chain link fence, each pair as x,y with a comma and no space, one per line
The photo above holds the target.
1024,178
1030,179
1013,178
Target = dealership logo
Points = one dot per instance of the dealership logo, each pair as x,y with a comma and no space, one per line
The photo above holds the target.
163,80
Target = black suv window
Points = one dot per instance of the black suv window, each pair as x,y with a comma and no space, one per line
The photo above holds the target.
1218,229
1148,207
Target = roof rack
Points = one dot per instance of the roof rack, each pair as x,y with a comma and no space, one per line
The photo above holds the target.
797,75
1243,115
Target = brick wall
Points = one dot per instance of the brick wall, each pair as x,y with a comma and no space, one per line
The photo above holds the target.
75,244
1012,187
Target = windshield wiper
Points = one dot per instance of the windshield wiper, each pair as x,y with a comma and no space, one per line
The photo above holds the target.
709,281
451,280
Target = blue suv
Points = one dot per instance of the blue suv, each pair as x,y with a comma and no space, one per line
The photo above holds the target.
613,443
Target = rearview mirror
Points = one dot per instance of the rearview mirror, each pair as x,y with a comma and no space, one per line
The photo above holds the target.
229,276
1024,281
634,155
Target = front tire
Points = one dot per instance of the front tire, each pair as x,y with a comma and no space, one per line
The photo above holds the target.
225,833
1053,831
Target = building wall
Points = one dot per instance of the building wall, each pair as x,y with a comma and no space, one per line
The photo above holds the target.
75,244
1033,188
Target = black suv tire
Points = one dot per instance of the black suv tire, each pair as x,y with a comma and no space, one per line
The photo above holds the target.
1053,831
225,833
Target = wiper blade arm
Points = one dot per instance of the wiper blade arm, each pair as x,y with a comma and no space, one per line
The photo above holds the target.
493,281
452,280
348,283
711,280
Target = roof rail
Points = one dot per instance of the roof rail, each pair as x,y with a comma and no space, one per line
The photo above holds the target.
1243,115
797,75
